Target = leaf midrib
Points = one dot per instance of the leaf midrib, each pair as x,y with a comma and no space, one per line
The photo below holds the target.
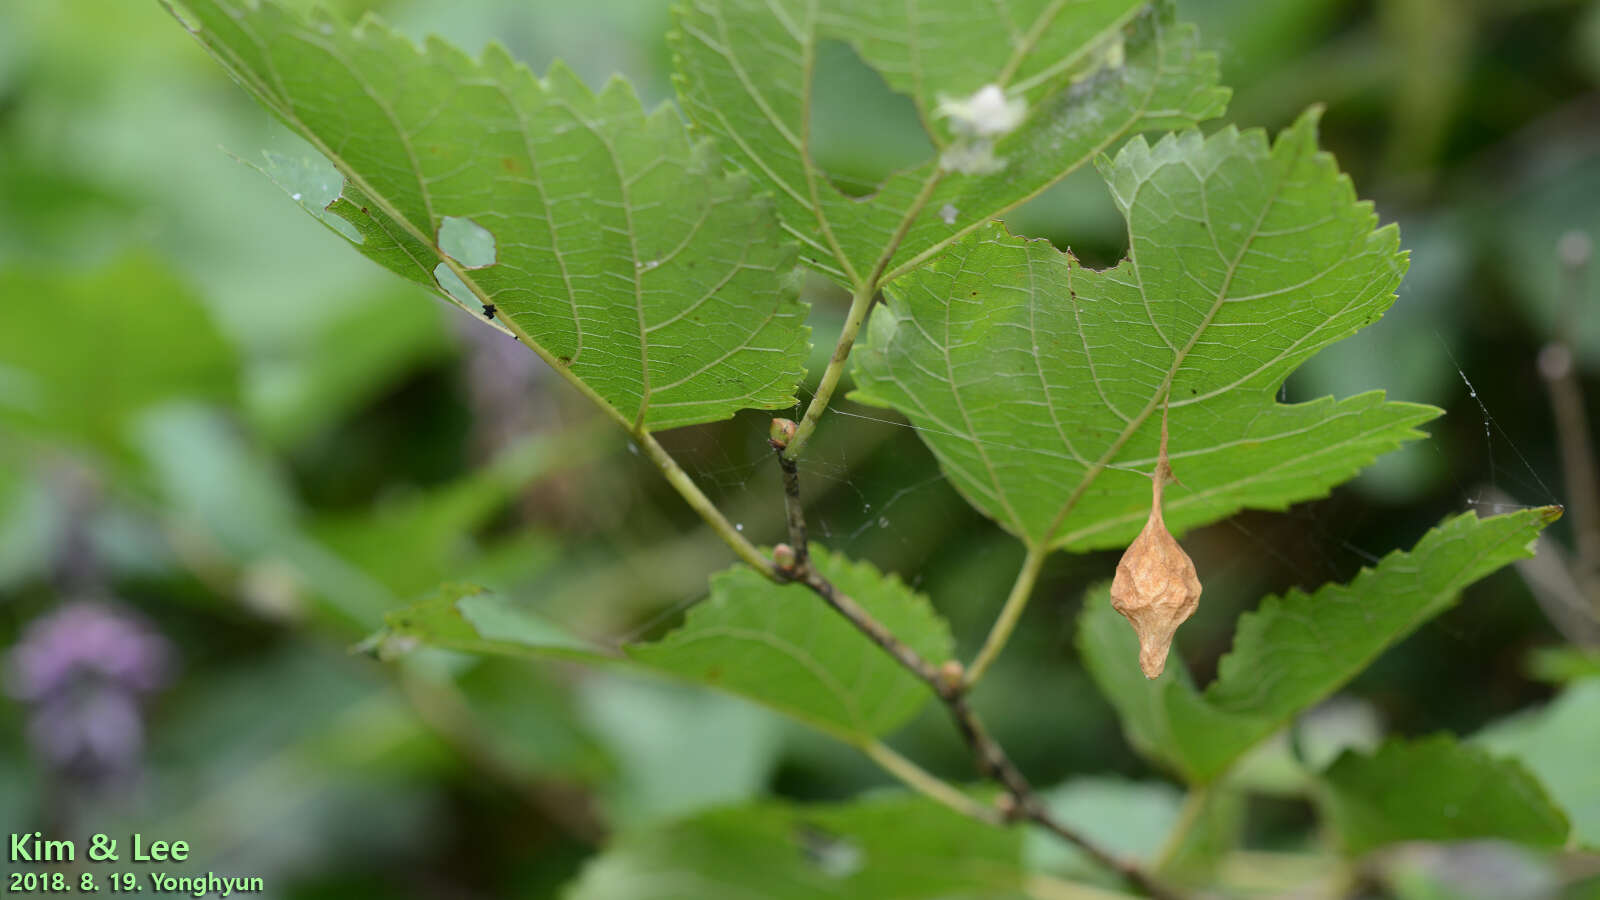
1133,425
1194,498
637,274
544,199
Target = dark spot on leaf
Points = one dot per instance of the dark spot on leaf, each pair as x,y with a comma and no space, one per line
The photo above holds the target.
564,360
509,164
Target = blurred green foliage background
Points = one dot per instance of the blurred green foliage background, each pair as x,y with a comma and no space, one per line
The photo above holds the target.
228,444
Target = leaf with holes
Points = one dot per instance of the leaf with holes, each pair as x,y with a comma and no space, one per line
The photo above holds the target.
1068,81
1437,790
781,646
600,234
1295,650
1039,383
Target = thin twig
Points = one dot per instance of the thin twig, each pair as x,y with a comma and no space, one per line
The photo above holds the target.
794,510
1572,426
948,683
1130,871
846,606
1025,802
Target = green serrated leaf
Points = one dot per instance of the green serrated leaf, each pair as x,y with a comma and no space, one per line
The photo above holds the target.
782,646
1296,649
1437,790
469,619
83,353
598,233
1086,75
1040,384
778,645
887,847
1558,744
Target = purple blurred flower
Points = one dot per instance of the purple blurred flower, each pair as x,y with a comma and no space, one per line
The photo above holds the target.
99,729
84,670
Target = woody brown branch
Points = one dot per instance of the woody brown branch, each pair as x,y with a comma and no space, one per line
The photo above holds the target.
1020,801
795,511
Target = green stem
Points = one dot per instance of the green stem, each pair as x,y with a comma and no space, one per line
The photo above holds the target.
860,303
927,784
1016,602
1194,803
700,503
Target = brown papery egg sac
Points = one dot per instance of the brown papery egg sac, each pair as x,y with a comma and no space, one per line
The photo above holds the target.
1156,588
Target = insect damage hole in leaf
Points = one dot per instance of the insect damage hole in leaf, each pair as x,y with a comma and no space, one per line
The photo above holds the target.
453,285
466,242
862,130
752,94
313,183
471,246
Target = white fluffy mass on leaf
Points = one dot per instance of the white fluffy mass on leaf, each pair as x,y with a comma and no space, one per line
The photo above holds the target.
988,113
